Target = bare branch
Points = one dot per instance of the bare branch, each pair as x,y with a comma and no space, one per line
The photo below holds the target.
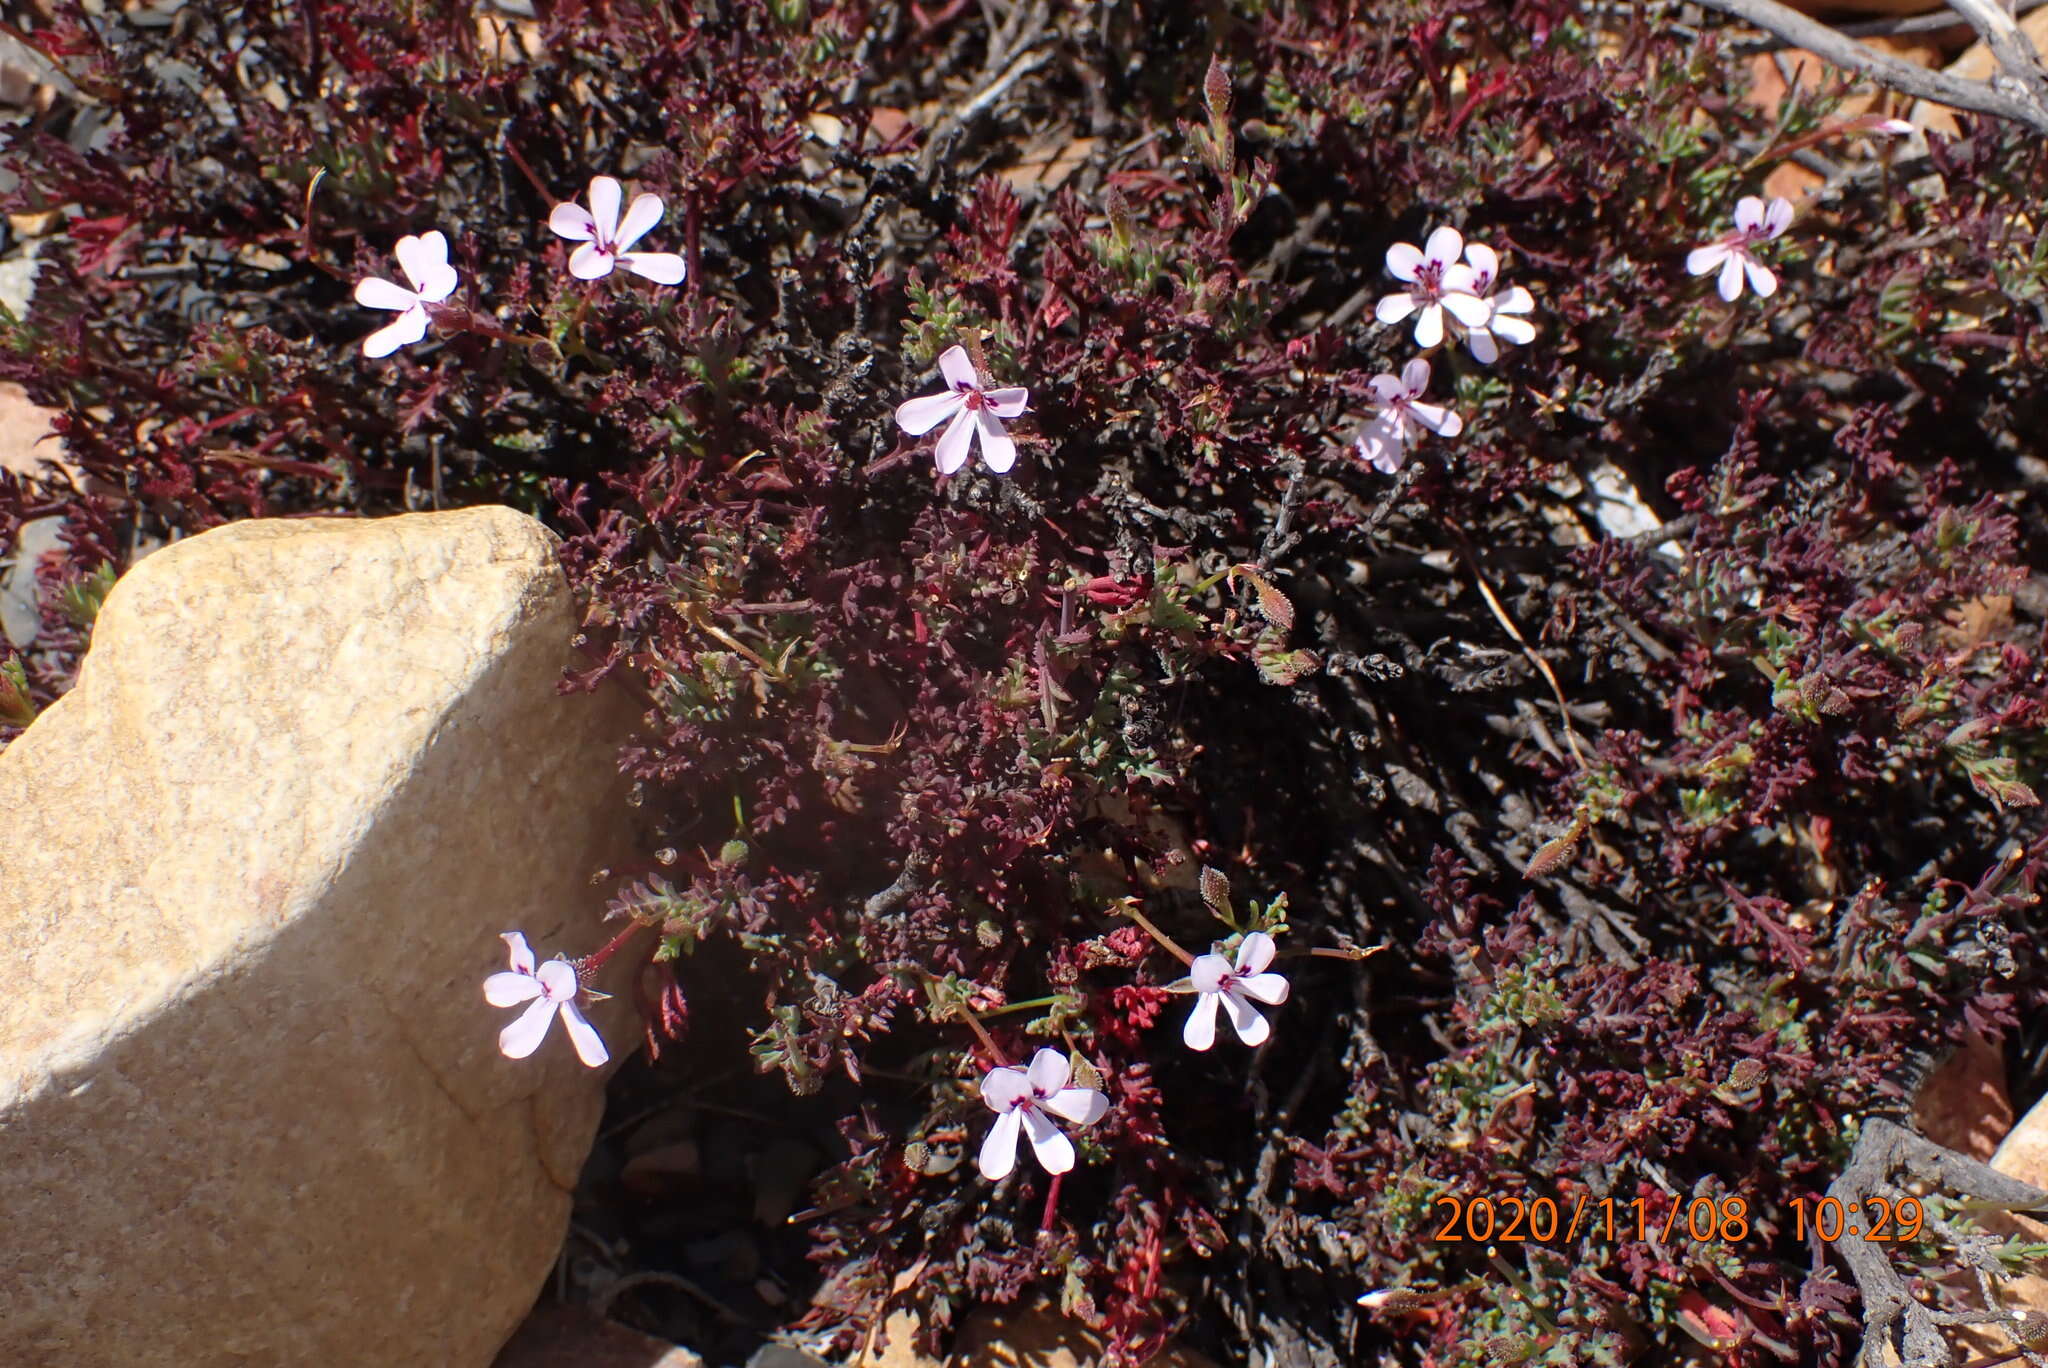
2015,54
1894,26
1974,96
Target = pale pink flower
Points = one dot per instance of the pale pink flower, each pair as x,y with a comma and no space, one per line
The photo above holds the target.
1403,417
1437,281
608,239
1021,1099
1219,983
976,415
424,259
552,989
1504,323
1731,256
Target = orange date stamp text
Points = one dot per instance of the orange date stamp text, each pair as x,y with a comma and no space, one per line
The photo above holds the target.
1546,1220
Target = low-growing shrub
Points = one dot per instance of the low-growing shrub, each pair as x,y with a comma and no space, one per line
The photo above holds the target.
1687,848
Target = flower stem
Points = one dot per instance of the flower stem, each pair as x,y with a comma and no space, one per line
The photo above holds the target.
1052,1202
1009,1007
1352,953
595,960
1528,1295
1130,909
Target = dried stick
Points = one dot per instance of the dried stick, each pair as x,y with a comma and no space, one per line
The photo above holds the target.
1893,1319
2011,99
1893,27
2021,70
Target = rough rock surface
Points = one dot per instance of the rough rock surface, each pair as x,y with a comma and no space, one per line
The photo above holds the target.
251,1105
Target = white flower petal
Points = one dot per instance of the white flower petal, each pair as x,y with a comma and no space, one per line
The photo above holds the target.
1483,260
510,989
1429,325
1749,213
1270,989
998,448
1778,214
1383,445
1514,300
955,442
1520,331
1730,283
1055,1152
605,194
590,262
1004,1088
921,415
1445,246
1460,278
1482,346
1082,1106
1760,279
1701,260
1404,261
1250,1026
408,328
958,368
424,259
377,293
1394,307
557,980
663,268
524,1035
1008,403
1256,952
641,215
1048,1072
999,1150
589,1044
421,255
1468,309
1415,377
1198,1032
1207,971
572,221
1436,418
522,953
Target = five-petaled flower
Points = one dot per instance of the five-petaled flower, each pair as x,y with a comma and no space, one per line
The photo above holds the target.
1755,222
1437,281
976,414
424,259
551,988
608,239
1219,983
1403,416
1504,323
1021,1099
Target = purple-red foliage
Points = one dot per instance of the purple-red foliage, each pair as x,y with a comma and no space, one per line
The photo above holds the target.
907,745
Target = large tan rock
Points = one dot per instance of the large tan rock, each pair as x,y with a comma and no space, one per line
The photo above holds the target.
251,1105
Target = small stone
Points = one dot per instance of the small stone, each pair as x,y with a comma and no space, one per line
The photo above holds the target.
21,616
35,223
29,444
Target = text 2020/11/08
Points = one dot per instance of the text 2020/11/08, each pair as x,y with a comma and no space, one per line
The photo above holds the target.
1545,1220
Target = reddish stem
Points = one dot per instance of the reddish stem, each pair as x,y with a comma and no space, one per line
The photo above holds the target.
1052,1201
595,960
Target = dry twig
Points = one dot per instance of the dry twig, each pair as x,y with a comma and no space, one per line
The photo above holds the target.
2019,94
